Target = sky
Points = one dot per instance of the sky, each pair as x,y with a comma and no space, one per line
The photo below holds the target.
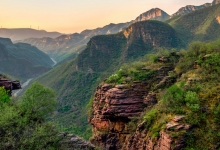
69,16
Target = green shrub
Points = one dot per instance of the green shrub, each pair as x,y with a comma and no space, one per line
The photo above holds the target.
150,116
4,97
174,99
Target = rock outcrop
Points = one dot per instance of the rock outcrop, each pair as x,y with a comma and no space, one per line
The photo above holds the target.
114,108
153,14
9,85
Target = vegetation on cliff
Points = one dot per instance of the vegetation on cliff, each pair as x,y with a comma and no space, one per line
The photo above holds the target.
191,97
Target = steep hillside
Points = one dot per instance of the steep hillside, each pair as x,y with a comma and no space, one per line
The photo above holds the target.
24,33
27,52
22,61
169,101
75,81
202,25
153,14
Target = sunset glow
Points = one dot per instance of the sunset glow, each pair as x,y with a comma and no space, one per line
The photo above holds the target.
69,16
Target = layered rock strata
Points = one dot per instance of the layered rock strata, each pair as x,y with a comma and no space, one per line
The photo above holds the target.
116,106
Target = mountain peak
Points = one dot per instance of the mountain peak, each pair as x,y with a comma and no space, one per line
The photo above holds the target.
153,14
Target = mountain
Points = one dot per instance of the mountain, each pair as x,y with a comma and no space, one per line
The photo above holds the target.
202,25
27,52
76,80
24,33
153,14
166,103
66,46
189,8
22,60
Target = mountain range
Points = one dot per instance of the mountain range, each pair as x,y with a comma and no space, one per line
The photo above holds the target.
65,46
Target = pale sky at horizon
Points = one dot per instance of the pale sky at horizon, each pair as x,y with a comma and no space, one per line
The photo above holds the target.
69,16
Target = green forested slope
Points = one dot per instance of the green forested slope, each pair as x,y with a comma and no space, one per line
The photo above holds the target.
22,63
202,25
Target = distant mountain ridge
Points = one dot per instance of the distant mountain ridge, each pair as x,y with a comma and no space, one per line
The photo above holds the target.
24,33
65,45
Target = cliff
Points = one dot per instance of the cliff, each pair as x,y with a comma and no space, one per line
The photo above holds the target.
117,106
168,101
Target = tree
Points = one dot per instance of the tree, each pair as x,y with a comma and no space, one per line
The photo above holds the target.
38,101
22,123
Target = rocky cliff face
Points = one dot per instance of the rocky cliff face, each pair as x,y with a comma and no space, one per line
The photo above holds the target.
113,109
190,8
153,14
133,42
116,106
9,85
